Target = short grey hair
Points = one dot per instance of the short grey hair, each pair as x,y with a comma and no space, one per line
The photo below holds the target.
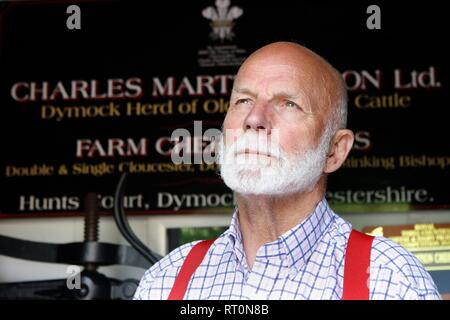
338,115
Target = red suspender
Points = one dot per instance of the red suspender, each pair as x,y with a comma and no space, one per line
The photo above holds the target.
190,264
357,266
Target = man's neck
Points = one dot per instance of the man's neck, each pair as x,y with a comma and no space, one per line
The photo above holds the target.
262,219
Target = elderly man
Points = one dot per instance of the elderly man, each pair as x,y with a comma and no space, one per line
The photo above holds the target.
283,133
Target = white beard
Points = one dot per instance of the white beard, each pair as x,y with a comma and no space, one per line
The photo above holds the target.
279,174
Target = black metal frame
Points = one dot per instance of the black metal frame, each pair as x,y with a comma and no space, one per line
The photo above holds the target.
90,253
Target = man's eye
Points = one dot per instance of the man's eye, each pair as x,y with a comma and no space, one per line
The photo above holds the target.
243,101
291,104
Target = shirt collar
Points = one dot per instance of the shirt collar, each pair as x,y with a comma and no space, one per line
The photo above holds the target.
234,237
295,246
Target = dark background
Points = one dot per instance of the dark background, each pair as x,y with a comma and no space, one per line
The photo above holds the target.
121,39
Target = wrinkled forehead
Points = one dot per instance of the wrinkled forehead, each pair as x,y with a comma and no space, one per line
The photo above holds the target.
276,79
273,77
263,70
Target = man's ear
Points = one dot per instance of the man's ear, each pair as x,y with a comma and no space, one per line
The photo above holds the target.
340,147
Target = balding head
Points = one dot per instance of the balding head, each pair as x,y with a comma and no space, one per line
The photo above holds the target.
322,84
294,100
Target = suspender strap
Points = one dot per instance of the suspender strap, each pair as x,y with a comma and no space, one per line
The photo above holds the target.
190,264
357,266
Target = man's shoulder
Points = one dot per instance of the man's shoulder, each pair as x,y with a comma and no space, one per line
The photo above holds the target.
384,253
173,259
394,271
393,264
388,253
164,271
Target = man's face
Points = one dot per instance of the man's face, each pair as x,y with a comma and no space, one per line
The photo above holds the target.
276,97
274,100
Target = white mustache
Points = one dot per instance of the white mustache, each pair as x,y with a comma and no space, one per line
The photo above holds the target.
264,151
254,144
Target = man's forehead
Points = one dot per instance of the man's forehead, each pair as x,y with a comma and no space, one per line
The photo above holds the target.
275,77
265,69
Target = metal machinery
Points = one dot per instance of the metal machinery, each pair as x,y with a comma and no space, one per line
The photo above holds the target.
90,254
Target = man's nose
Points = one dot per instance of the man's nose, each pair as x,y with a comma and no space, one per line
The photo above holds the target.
257,119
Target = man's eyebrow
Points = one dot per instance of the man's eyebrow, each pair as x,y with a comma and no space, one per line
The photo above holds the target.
301,94
282,94
244,91
288,95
